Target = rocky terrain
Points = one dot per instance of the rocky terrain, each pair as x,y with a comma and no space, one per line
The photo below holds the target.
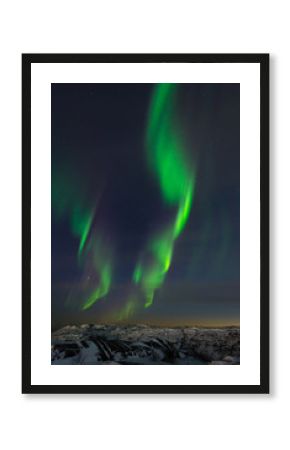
142,344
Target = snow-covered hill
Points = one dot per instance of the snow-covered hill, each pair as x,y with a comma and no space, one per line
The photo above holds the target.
142,344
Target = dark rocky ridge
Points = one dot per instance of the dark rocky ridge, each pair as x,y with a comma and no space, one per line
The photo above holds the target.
143,344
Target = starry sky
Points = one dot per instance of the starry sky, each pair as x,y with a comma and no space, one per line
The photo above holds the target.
145,204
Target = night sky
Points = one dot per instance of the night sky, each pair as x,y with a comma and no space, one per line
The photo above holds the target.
145,204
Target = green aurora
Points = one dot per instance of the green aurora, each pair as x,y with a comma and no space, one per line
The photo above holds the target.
69,201
73,204
145,198
166,157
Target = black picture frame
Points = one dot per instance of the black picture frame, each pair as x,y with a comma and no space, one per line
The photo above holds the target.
263,60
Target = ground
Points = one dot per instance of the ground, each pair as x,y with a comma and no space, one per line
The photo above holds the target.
143,344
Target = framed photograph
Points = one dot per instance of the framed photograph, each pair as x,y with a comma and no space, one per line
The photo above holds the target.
145,226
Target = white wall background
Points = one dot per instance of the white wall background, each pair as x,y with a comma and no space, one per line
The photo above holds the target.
129,422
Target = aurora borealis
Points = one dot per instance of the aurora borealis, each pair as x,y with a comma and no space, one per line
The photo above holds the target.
145,203
166,157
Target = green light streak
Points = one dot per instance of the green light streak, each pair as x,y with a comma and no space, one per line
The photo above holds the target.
98,262
128,310
167,161
103,288
70,201
149,299
165,147
81,222
137,275
162,249
184,211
